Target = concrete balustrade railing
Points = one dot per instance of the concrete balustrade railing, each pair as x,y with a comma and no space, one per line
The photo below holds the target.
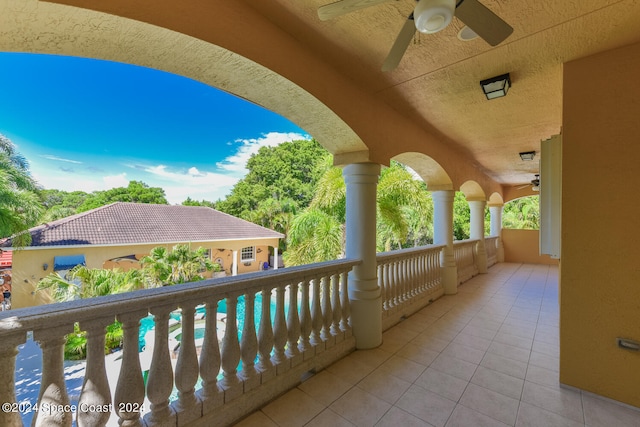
240,372
409,279
464,252
303,324
491,247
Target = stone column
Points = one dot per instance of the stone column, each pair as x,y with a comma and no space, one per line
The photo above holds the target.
234,265
361,180
275,257
443,235
477,232
496,228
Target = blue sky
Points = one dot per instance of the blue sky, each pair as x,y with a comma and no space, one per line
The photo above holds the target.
91,125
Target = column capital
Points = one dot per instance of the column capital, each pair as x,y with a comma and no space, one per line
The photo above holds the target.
361,173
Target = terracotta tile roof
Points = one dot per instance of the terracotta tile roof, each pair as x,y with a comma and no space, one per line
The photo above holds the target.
126,223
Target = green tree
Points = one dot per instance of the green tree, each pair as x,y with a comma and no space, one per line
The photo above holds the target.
286,173
180,265
135,192
190,202
317,234
461,217
20,207
522,213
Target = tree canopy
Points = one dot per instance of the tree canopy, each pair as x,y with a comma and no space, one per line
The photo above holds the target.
20,206
135,192
287,172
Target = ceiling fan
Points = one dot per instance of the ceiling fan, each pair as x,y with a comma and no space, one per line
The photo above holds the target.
535,184
429,16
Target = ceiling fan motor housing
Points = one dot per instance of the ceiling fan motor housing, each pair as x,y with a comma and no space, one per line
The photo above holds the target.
431,16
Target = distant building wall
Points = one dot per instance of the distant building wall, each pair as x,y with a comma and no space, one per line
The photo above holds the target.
29,264
523,246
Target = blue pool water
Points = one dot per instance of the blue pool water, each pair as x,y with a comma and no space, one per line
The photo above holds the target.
147,323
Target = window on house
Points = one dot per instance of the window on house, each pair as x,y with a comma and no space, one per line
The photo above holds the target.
207,253
248,254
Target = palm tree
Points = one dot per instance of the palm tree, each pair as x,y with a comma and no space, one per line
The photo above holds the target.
522,213
181,265
20,207
404,209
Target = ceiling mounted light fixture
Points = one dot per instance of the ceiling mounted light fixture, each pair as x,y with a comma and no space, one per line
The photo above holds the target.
431,16
527,156
496,87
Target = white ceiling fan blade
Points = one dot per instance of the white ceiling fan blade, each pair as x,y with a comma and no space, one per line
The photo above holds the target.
400,45
483,21
338,8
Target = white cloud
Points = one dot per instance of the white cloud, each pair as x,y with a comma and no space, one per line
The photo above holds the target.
114,181
194,183
60,159
236,163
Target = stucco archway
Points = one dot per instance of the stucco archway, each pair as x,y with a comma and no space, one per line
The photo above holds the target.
39,27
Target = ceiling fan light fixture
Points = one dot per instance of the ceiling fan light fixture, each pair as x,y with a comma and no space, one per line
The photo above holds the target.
431,16
496,87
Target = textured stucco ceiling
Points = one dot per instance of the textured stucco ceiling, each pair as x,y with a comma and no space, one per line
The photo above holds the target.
326,76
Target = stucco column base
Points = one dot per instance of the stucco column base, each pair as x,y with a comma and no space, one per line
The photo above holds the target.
366,312
481,253
449,271
500,250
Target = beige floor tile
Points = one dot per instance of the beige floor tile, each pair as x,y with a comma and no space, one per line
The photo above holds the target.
466,417
473,341
453,366
328,418
257,419
444,384
601,412
510,351
478,331
426,405
417,354
350,370
295,408
544,361
396,417
505,365
429,342
383,384
325,387
402,368
360,408
532,416
374,357
491,404
543,376
562,401
514,340
498,382
463,352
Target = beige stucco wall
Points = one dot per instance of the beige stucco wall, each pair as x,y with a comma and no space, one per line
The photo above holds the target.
524,246
600,278
28,263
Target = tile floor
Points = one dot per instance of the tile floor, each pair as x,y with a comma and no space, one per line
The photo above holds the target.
487,356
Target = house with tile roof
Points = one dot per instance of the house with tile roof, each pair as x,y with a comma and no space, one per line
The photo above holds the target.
119,234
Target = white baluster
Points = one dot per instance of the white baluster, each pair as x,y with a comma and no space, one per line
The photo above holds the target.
8,351
325,333
187,407
316,317
95,388
160,380
230,382
53,392
336,308
129,395
209,394
279,358
265,339
305,321
345,322
293,327
249,344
